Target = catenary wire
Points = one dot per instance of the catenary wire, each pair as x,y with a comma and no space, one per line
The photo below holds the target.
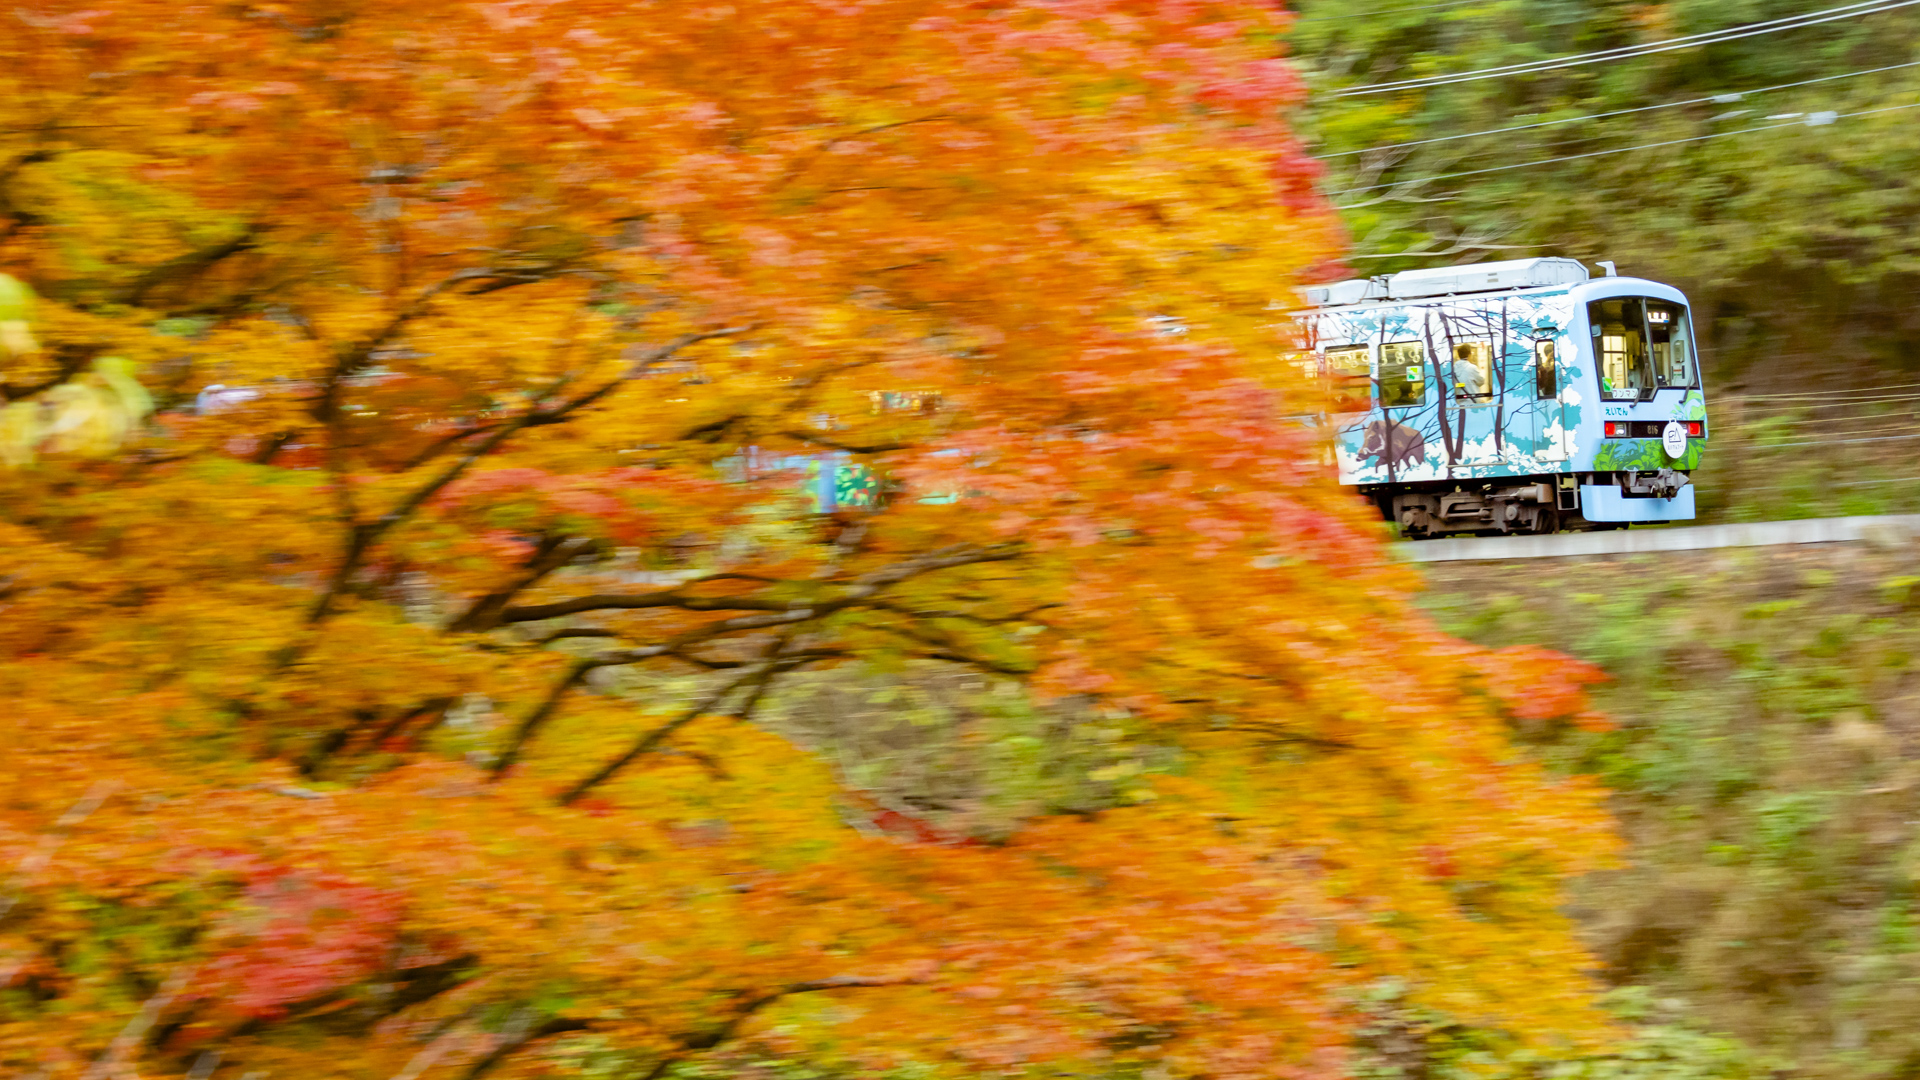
1783,408
1835,442
1824,436
1843,419
1822,393
1619,150
1864,483
1726,98
1835,484
1626,51
1715,37
1842,484
1786,407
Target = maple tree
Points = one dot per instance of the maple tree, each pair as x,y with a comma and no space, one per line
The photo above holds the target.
383,382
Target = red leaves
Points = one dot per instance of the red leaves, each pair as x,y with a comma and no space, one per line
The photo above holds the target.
1535,684
902,826
895,823
297,937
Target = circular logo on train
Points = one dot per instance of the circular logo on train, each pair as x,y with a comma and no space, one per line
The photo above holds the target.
1673,438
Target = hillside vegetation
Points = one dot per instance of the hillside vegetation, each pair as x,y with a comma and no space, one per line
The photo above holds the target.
1766,770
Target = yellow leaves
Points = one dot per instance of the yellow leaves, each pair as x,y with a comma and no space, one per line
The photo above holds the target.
16,337
501,222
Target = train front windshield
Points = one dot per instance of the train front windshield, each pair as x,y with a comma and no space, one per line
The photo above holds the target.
1642,345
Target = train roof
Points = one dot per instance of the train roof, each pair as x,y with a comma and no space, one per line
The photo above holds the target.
1477,278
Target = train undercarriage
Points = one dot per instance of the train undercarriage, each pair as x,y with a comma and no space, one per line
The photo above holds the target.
1517,505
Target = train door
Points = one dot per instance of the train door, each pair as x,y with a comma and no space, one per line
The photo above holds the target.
1476,404
1549,412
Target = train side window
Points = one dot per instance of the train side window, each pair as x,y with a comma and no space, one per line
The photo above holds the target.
1472,370
1350,378
1671,337
1546,374
1403,374
1620,347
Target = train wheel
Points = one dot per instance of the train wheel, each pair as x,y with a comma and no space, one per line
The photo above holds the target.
1549,521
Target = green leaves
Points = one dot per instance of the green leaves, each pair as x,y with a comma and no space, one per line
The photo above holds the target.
16,315
92,416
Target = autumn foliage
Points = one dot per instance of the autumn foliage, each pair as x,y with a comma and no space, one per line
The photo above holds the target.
383,632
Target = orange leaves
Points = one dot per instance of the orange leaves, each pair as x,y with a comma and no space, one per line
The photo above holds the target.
501,353
623,504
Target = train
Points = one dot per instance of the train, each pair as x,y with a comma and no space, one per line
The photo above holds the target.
1526,396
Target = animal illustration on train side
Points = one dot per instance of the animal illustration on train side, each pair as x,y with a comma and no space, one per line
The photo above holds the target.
1511,397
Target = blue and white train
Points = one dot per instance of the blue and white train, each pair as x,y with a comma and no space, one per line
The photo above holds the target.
1512,397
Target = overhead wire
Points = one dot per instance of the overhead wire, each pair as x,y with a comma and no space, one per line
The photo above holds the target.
1785,22
1786,407
1622,149
1713,37
1724,99
1854,419
1835,442
1837,484
1862,431
1823,393
1864,483
1867,7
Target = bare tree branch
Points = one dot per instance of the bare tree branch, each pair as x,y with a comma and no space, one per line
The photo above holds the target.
185,266
531,723
363,534
112,1060
51,840
746,1005
520,1031
671,598
554,551
641,366
652,739
796,612
846,447
577,632
801,162
857,594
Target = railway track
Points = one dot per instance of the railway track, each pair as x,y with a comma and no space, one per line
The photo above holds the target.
1889,529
